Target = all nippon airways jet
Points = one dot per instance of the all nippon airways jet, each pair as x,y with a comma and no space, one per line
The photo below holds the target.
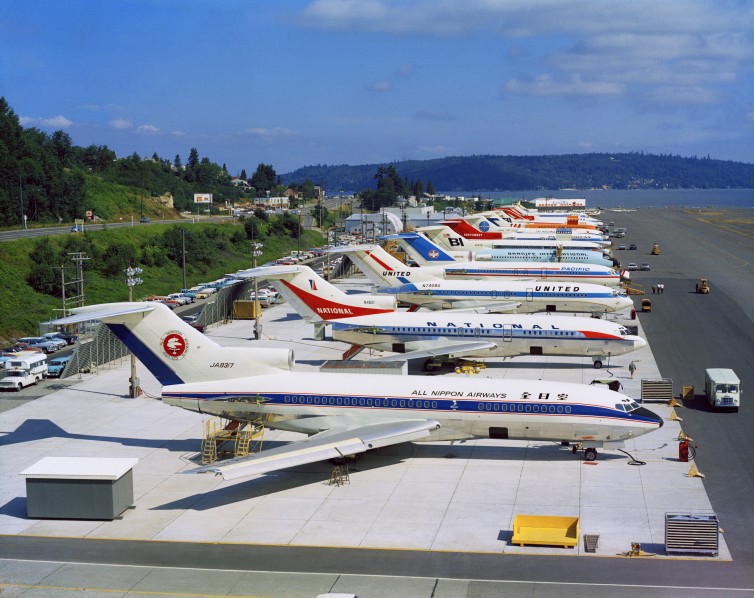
522,296
441,336
346,414
438,241
444,266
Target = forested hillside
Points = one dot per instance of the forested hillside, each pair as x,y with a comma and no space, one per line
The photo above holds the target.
513,173
47,179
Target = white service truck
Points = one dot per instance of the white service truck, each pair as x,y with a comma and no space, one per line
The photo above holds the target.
723,388
24,371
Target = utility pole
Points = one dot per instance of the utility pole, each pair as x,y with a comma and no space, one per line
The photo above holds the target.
183,255
132,280
255,252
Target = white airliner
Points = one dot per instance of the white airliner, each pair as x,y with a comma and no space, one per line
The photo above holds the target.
445,267
346,414
441,243
521,296
444,335
458,234
491,223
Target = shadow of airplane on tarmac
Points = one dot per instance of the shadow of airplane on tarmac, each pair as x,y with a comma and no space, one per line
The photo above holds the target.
40,429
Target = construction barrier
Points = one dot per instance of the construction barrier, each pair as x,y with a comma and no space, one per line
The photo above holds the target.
687,392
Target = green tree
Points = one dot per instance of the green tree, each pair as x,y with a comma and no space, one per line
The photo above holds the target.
263,180
43,276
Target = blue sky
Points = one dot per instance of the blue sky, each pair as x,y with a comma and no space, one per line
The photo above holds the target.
294,82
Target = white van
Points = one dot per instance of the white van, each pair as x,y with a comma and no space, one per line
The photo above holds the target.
723,388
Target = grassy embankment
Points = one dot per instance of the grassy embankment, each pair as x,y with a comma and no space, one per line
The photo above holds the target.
24,308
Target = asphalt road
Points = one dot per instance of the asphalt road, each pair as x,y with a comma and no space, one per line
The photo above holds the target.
690,332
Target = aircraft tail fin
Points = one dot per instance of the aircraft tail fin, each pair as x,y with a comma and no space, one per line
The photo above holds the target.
174,351
382,269
422,250
317,300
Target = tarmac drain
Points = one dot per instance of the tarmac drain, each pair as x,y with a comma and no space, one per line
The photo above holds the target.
590,542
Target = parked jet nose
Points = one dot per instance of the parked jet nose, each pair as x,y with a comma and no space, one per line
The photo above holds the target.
639,342
623,302
647,415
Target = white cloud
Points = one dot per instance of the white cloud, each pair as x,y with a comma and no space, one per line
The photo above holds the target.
268,133
544,85
147,129
55,122
587,47
381,86
120,124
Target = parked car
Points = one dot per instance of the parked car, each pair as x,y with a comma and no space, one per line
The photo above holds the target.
172,303
632,266
645,266
144,220
56,366
18,379
77,228
632,246
621,246
70,339
47,345
182,299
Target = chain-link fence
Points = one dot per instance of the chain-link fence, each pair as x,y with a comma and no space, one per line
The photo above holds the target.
98,347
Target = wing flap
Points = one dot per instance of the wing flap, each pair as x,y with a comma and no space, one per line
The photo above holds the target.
330,444
452,351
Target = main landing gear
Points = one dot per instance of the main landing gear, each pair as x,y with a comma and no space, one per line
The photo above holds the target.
590,453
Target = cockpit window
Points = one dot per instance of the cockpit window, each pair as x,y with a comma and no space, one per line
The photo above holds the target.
620,406
623,331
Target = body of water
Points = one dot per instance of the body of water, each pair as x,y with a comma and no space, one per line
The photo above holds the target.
640,198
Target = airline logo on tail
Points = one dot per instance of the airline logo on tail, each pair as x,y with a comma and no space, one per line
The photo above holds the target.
312,285
174,345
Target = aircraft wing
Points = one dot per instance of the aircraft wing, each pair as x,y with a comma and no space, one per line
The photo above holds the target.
450,350
330,444
493,307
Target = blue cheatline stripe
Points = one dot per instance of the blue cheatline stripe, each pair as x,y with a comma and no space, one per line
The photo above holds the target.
164,374
434,405
441,332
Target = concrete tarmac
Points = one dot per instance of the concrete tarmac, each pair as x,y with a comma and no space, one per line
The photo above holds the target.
32,565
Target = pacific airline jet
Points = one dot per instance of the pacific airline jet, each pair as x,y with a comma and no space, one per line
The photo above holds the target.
440,242
439,336
446,267
521,296
346,414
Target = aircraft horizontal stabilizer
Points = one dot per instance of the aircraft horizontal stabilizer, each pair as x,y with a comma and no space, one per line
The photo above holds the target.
331,444
451,351
268,272
103,311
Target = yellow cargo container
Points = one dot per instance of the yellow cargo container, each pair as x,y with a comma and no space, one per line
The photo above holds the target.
547,530
246,310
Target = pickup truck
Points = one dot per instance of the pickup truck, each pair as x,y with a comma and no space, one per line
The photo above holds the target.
18,379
